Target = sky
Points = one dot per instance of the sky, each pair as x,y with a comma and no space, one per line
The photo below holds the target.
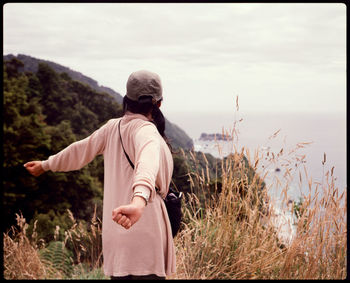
286,57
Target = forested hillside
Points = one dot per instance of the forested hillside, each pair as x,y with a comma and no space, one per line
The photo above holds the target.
175,134
45,111
30,64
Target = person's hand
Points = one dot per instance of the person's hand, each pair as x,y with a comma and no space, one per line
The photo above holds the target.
34,168
128,215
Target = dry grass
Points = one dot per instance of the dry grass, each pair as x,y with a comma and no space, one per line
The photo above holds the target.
218,243
86,242
23,254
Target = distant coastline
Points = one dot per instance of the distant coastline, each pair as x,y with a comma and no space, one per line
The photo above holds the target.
215,137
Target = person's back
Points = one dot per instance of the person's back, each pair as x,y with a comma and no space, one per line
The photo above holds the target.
148,244
142,245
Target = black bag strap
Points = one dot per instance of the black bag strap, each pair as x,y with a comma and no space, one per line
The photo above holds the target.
127,156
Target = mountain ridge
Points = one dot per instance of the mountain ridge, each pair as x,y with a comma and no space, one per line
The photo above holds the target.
31,65
175,134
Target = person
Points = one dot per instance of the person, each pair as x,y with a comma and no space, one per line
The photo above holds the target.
136,233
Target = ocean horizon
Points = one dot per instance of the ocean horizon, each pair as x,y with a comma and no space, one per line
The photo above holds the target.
319,135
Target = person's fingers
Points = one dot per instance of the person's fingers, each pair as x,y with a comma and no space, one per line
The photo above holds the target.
118,213
34,168
122,220
126,223
31,164
114,215
28,164
29,168
125,216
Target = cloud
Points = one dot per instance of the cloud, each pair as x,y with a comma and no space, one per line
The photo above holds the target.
199,49
182,32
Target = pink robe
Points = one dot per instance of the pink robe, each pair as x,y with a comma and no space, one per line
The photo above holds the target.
147,247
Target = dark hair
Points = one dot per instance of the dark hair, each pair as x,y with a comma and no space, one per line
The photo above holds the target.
144,106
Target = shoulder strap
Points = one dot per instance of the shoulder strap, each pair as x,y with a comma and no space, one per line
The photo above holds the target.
127,156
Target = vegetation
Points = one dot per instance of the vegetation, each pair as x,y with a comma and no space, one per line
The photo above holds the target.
233,239
44,113
177,136
237,238
31,64
74,254
52,223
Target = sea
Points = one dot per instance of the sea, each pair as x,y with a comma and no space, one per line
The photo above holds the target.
295,149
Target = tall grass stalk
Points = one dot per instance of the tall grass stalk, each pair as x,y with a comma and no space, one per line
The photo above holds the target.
21,254
235,236
26,257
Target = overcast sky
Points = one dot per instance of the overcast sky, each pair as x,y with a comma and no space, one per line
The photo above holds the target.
275,57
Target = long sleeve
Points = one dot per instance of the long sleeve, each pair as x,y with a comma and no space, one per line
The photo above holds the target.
147,153
78,154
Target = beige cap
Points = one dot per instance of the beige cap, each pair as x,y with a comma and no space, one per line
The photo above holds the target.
142,83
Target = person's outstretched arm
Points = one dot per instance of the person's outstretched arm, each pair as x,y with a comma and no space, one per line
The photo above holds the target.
73,157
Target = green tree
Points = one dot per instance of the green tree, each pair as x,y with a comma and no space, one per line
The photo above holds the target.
43,114
24,139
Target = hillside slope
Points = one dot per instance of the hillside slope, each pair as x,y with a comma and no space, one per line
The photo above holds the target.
176,135
31,65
